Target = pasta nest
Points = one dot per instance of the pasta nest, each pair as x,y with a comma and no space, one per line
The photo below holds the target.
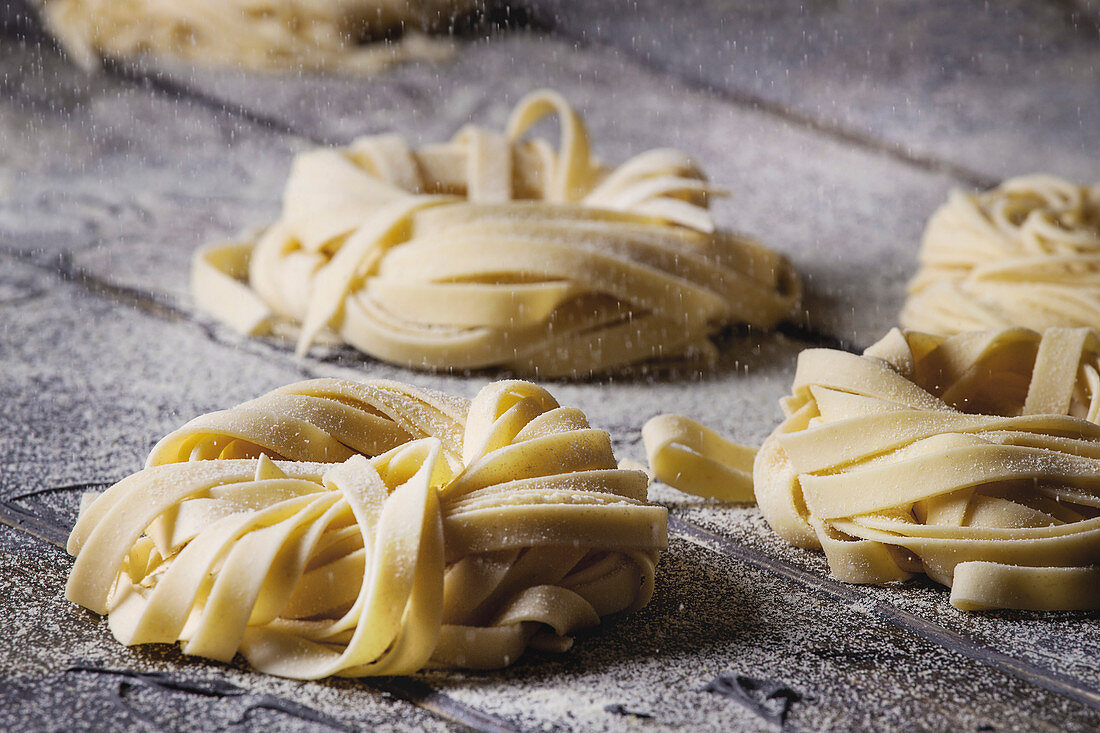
1024,254
342,528
973,458
495,251
257,34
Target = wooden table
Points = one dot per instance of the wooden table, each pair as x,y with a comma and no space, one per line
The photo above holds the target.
838,127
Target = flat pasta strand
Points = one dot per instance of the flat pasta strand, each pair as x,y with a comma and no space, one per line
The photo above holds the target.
695,459
291,35
344,528
972,458
1026,253
494,251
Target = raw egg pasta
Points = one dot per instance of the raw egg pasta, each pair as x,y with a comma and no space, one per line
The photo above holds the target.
974,459
344,528
693,458
495,251
1024,254
292,35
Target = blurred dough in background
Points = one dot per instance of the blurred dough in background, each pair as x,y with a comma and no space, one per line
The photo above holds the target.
256,34
1026,253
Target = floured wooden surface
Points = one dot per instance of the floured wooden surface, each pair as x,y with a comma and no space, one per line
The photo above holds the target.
109,183
990,90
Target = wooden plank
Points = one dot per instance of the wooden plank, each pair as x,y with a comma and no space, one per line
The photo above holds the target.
979,91
988,90
94,164
116,184
1056,650
60,669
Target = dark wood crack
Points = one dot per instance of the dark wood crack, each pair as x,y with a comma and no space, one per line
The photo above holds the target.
425,696
164,682
79,486
27,521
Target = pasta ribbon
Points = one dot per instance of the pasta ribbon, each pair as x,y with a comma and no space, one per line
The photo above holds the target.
343,528
974,459
293,35
695,459
495,251
1026,253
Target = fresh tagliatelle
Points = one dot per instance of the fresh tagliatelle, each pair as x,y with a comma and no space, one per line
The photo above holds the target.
495,251
1026,253
695,459
973,458
344,528
255,34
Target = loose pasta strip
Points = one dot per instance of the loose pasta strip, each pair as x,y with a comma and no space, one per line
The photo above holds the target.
291,35
496,251
974,459
1026,253
343,528
695,459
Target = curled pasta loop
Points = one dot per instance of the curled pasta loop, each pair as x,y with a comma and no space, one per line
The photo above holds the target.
257,34
342,528
974,459
1026,253
493,250
693,458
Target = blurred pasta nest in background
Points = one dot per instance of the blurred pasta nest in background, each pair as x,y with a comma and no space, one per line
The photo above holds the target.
255,34
492,250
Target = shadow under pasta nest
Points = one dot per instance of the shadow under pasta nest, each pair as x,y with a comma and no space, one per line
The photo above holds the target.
697,606
741,350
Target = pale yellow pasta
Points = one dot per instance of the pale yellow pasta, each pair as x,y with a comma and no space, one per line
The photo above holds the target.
494,251
344,528
695,459
973,458
257,34
1026,253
